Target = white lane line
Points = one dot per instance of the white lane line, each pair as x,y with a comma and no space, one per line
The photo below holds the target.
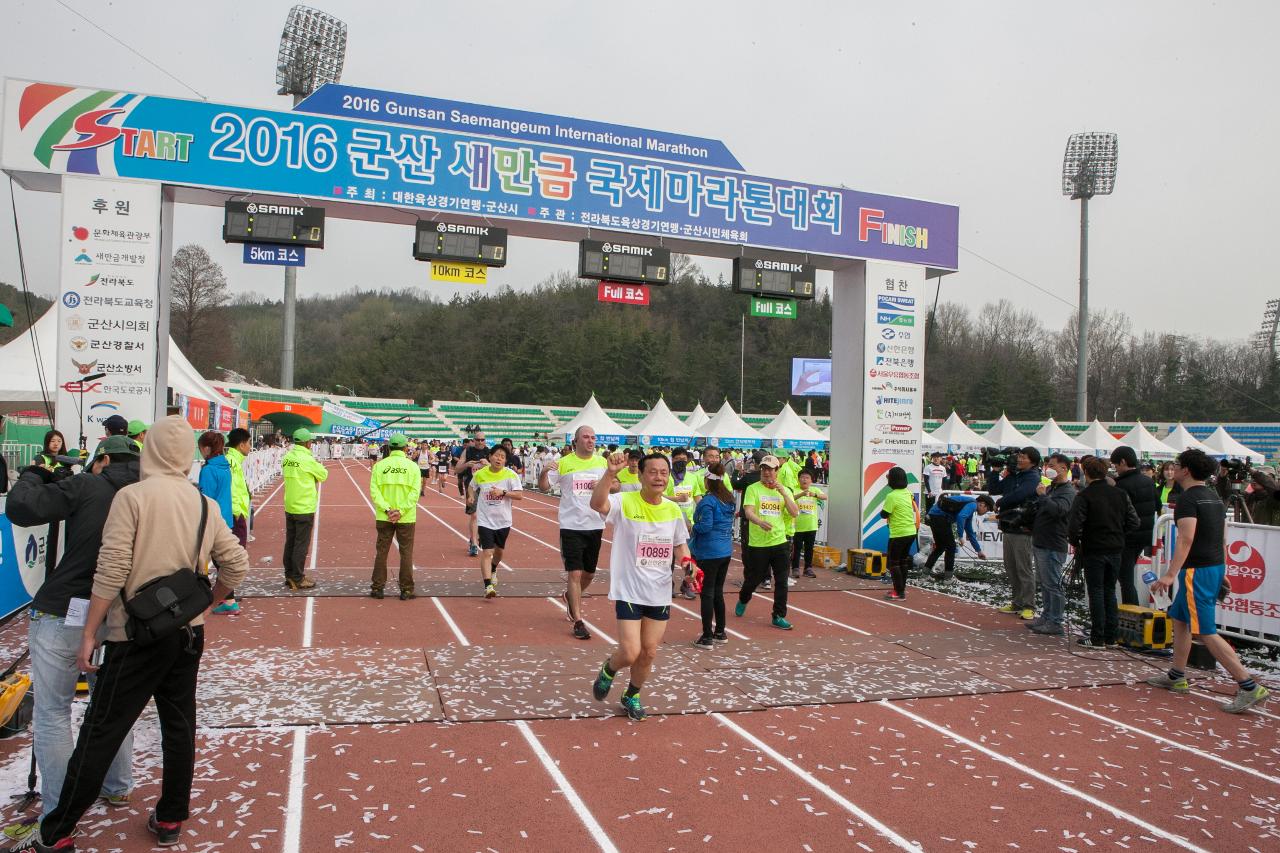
579,807
1208,756
828,619
457,632
308,618
1048,780
260,507
558,603
698,616
1219,697
315,528
887,603
513,527
297,781
814,782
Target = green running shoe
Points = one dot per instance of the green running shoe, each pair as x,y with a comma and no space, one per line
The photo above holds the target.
1246,699
739,608
1163,680
603,684
631,704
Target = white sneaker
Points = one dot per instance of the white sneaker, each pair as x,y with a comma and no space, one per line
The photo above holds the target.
791,582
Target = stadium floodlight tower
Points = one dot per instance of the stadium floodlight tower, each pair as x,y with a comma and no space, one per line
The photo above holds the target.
1088,169
312,48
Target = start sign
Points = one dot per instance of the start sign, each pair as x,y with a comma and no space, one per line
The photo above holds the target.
627,294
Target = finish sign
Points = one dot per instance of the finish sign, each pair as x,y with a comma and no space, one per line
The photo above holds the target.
784,309
459,273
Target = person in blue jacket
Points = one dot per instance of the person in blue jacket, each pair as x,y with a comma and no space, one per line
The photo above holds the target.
712,546
951,519
215,474
1018,488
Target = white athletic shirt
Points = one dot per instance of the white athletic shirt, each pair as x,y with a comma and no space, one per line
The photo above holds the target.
494,513
645,537
935,475
577,478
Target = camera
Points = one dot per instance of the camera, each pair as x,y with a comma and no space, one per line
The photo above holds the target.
1237,473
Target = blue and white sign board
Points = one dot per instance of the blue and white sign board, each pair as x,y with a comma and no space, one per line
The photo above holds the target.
22,561
278,256
335,99
54,129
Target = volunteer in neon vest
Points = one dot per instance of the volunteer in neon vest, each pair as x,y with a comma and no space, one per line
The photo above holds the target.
302,475
393,491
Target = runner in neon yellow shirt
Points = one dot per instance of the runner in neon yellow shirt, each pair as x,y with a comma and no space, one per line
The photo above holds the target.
808,498
494,487
765,505
629,477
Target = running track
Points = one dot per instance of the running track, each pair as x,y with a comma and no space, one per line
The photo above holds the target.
1091,768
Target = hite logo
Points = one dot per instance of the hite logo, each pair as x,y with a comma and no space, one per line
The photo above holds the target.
618,249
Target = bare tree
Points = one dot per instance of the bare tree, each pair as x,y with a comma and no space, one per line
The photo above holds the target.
198,295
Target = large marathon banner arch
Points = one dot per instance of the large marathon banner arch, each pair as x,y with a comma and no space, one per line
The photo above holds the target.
123,159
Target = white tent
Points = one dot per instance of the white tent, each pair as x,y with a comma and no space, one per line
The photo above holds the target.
662,428
1145,444
607,430
726,429
1220,443
1050,437
20,382
789,431
1180,439
697,417
954,433
826,433
1003,434
928,442
1098,439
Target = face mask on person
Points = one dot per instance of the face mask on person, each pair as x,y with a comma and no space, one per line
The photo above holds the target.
678,467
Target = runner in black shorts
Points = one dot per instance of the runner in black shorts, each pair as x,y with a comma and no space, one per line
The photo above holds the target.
471,459
581,527
492,489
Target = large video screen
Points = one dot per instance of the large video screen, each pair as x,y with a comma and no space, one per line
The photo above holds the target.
810,377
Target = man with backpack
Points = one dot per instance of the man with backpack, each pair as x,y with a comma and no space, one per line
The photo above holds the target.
951,517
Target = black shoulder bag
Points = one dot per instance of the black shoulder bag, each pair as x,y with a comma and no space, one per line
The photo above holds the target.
162,607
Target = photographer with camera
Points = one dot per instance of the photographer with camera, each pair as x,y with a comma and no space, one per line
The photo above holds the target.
1146,503
1016,489
1263,499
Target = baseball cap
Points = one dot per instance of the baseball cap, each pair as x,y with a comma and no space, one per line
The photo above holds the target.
137,427
116,445
302,434
1265,469
769,461
116,425
397,440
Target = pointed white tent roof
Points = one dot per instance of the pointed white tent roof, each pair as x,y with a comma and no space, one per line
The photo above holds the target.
789,431
1180,439
697,417
607,429
662,427
726,429
1220,443
1051,437
928,442
1098,439
21,382
1003,434
1146,444
955,433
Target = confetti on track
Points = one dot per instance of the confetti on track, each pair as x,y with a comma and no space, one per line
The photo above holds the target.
410,746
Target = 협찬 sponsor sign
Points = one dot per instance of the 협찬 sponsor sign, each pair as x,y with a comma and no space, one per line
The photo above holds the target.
890,426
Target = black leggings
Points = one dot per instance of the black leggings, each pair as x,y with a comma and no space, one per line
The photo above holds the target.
899,561
802,544
944,542
713,574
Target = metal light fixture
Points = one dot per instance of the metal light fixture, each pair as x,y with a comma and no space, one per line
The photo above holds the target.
313,47
1088,169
